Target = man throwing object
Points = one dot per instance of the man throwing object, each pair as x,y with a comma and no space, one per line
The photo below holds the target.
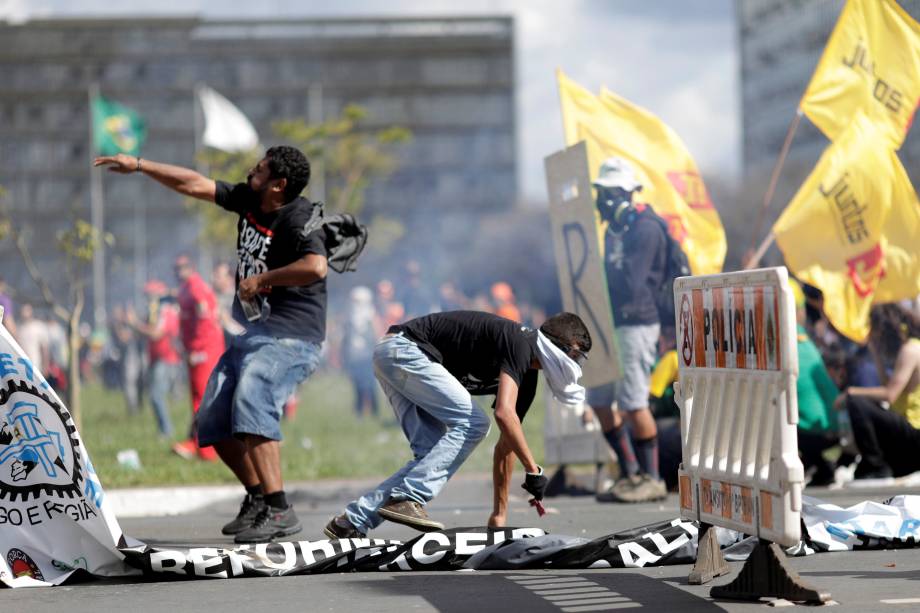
281,273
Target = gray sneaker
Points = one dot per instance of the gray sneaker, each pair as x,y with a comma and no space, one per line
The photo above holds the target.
248,510
269,524
645,489
409,513
624,484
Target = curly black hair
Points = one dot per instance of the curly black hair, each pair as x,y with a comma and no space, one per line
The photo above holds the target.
892,326
568,328
291,164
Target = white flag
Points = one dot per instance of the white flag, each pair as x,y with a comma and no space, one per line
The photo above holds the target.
225,126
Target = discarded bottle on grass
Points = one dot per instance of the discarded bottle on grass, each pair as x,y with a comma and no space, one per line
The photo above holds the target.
129,459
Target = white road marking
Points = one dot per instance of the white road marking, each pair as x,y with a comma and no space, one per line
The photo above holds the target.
900,601
599,600
562,597
558,583
602,607
549,580
573,593
572,590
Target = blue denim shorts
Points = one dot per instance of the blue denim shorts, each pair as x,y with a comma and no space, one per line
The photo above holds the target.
248,388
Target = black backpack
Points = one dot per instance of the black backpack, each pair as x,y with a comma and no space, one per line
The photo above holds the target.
345,237
676,265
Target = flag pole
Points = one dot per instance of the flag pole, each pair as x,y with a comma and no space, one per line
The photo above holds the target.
771,189
198,123
97,213
761,250
315,117
205,261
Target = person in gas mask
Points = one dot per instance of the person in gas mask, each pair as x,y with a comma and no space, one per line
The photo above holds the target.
635,254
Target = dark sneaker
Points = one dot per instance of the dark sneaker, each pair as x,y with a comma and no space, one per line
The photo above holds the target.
409,513
340,528
270,523
866,471
248,510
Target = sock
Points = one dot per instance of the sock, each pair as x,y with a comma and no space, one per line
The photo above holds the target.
254,490
276,500
619,441
647,452
342,522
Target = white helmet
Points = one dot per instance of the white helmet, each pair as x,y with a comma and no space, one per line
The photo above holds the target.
617,172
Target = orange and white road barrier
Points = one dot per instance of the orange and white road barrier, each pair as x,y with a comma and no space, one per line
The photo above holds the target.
736,346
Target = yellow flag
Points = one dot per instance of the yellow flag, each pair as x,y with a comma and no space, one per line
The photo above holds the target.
871,62
852,228
671,181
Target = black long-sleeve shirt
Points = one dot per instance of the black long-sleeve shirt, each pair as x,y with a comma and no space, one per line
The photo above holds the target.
635,270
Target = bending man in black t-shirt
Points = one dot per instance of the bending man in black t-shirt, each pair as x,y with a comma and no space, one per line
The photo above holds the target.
430,368
281,277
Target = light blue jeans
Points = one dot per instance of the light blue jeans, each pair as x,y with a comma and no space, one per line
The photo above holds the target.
163,376
438,417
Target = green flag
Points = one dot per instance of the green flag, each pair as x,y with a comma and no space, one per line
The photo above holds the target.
116,128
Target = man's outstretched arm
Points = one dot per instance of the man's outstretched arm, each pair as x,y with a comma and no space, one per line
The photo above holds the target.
183,180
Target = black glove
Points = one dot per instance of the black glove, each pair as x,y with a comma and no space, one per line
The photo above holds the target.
535,484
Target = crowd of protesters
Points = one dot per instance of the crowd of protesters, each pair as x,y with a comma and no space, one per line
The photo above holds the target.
172,339
370,312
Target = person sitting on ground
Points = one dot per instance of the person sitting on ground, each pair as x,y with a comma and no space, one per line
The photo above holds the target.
430,368
888,439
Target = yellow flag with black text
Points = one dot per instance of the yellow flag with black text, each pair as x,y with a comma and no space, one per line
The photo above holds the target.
871,63
852,228
613,126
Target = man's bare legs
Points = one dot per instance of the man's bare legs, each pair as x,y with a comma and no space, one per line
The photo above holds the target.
253,460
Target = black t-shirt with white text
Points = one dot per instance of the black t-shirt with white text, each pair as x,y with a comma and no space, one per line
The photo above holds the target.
266,241
476,347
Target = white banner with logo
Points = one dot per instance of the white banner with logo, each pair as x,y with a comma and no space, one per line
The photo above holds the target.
54,518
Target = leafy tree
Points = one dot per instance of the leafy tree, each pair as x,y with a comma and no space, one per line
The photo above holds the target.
77,243
348,155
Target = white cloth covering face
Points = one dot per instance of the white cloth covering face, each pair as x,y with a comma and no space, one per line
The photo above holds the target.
561,372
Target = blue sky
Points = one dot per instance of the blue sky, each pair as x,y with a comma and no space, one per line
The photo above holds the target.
677,58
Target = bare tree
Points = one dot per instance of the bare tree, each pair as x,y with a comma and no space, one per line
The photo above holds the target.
76,244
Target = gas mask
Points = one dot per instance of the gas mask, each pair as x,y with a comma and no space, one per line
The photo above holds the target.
616,207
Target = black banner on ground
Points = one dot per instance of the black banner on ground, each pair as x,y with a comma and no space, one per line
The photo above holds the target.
868,525
670,542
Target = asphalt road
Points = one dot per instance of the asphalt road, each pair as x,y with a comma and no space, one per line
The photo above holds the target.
858,581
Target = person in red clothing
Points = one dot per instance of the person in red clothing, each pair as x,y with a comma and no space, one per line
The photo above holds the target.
162,332
203,340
